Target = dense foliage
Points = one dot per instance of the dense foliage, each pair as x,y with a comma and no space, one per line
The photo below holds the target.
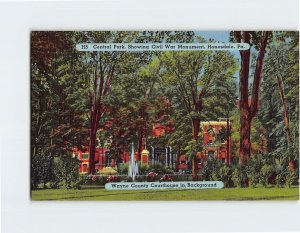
88,99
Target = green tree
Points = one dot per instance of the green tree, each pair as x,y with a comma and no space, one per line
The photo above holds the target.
249,106
279,100
191,75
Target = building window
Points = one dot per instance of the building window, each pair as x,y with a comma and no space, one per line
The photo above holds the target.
182,162
84,168
75,155
85,156
211,154
199,160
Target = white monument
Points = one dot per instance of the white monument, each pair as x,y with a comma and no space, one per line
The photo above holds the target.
133,168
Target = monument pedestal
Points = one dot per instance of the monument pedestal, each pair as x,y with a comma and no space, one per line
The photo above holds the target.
145,157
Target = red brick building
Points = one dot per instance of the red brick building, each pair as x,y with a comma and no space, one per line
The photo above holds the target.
101,159
213,148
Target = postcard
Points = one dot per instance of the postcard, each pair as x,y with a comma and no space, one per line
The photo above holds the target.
164,115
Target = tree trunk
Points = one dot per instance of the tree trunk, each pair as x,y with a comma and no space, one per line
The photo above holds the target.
249,110
243,104
291,165
245,143
177,161
93,138
195,168
285,119
196,130
100,88
92,149
284,111
141,144
228,156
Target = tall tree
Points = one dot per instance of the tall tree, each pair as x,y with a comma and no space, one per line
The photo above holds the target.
279,100
102,68
136,105
107,65
192,74
45,46
249,107
276,68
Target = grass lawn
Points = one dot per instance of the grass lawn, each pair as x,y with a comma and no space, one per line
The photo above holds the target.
99,193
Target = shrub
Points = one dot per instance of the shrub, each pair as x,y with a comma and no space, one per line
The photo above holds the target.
208,168
235,160
166,178
41,170
101,180
253,178
151,176
66,171
76,185
113,179
94,180
54,172
127,179
157,168
281,178
123,169
144,169
169,171
253,170
238,177
291,178
53,185
223,173
140,178
265,173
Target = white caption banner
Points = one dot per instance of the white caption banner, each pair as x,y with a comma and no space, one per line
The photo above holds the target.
142,47
165,185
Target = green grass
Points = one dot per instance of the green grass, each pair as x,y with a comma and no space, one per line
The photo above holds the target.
99,193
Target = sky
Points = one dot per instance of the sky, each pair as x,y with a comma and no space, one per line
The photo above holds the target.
220,36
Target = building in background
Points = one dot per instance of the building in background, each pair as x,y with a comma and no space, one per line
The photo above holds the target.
102,159
216,141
